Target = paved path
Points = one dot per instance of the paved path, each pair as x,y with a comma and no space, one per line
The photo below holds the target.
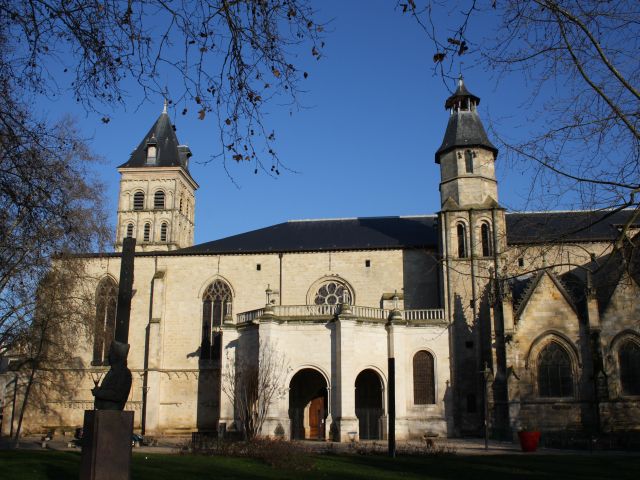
172,445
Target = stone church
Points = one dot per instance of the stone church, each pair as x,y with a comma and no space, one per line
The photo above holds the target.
522,320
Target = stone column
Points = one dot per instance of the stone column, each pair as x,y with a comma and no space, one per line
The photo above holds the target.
344,400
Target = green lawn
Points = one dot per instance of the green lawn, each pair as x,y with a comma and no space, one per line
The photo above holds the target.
40,465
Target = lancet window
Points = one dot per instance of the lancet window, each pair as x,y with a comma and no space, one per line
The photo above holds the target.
216,306
105,321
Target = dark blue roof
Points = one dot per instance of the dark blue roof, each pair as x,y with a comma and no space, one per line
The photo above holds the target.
409,232
169,152
464,129
320,235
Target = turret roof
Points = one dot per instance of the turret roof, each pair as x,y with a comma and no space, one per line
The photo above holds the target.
169,152
464,128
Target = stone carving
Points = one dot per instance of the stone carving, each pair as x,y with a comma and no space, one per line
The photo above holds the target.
114,391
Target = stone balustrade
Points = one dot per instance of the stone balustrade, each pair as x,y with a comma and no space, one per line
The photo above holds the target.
302,312
424,314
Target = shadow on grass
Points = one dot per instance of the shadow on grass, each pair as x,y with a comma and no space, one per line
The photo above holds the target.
51,465
479,467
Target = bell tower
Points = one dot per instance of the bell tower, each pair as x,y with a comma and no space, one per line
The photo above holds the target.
157,193
466,156
472,237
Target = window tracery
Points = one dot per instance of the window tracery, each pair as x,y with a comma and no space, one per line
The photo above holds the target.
216,306
555,377
105,321
332,292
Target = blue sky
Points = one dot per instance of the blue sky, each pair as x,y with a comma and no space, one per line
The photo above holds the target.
363,145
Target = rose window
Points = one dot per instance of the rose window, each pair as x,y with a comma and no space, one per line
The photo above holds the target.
332,293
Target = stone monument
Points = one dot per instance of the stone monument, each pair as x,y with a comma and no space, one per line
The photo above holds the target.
106,442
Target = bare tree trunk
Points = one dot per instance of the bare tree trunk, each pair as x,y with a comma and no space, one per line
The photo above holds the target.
23,407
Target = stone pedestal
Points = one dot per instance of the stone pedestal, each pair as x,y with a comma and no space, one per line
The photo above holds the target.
106,445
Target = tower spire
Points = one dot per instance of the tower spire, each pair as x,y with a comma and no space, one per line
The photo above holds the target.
164,110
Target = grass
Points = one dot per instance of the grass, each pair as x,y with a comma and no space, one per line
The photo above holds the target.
52,465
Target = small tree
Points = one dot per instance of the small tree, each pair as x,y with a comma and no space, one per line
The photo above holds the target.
252,385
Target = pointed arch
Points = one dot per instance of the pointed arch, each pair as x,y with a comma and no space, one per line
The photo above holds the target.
217,302
105,320
626,350
553,362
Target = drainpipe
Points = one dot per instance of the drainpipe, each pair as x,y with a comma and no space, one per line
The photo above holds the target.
280,255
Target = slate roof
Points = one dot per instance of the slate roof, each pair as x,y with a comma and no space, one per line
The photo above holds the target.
576,226
408,232
464,129
320,235
169,154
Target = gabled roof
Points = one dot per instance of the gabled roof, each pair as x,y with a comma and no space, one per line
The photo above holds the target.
528,286
169,152
321,235
571,226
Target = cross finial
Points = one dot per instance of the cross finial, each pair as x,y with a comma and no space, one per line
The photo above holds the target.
164,110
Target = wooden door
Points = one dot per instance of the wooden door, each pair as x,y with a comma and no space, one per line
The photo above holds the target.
316,418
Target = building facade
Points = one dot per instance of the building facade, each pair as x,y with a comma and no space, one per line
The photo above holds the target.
520,319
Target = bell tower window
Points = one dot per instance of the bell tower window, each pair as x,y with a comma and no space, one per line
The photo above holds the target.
147,232
138,201
130,230
462,240
158,200
485,234
163,231
468,161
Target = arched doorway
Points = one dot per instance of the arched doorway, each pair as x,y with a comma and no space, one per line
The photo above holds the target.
369,406
308,407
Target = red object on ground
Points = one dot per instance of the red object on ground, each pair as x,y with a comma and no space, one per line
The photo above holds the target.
529,440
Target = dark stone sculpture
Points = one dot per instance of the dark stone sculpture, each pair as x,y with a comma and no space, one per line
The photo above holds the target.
114,391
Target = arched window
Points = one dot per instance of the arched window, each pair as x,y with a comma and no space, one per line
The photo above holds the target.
105,321
424,385
462,240
158,200
147,232
332,293
163,231
216,306
180,204
554,372
129,230
138,201
629,361
485,237
468,161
